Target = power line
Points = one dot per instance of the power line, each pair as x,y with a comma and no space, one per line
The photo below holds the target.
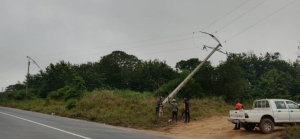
113,45
140,46
241,15
168,51
193,39
150,39
261,20
225,15
132,47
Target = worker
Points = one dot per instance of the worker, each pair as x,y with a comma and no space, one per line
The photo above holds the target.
160,106
238,106
187,110
174,109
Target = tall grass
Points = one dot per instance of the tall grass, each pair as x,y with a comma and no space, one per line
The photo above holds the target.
291,132
122,108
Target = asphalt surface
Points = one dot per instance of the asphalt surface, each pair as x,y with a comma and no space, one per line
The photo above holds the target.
20,124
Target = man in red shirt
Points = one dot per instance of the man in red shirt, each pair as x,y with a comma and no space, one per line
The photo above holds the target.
238,106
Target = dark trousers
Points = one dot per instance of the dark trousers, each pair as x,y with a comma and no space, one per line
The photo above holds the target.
237,126
174,114
187,116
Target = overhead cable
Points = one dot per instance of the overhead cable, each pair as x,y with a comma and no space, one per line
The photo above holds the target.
141,46
225,15
261,20
113,45
241,15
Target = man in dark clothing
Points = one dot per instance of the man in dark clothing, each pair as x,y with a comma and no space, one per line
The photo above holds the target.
238,106
159,107
187,110
174,109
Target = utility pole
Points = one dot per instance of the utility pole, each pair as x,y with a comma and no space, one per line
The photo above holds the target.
195,70
27,77
298,57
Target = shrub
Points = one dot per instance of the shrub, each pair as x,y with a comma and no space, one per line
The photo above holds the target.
292,132
57,95
47,102
71,103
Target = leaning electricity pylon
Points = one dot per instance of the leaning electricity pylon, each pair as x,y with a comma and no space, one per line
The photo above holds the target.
219,50
27,78
177,89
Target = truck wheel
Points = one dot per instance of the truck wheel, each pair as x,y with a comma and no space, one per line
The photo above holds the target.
249,127
266,126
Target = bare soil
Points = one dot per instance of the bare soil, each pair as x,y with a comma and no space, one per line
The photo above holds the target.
216,127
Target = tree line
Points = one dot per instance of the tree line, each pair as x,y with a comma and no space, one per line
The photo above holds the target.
243,75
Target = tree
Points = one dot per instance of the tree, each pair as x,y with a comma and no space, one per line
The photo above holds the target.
91,74
203,79
150,75
58,76
15,87
275,84
118,68
229,80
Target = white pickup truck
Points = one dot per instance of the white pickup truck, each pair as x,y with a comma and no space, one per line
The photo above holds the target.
266,113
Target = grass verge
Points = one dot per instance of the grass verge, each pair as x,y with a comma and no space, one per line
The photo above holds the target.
121,108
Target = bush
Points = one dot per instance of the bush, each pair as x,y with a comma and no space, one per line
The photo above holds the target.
17,95
57,95
66,93
47,102
292,132
71,103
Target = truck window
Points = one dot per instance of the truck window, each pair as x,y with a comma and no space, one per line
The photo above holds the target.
280,105
255,105
263,104
292,105
259,104
267,104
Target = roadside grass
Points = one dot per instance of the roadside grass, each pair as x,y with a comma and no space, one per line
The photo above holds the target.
122,108
291,132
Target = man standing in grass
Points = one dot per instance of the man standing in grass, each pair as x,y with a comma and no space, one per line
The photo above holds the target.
187,110
174,109
160,106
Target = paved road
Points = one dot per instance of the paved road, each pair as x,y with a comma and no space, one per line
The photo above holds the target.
20,124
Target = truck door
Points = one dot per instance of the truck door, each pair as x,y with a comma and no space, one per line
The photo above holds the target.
294,111
283,114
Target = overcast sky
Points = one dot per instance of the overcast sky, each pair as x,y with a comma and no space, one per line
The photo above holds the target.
85,30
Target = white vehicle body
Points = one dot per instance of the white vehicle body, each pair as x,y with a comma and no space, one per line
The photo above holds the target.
266,113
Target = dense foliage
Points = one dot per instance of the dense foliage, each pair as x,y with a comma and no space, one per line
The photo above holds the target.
245,76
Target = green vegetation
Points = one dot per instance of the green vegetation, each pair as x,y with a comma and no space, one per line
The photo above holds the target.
244,76
120,108
291,132
120,89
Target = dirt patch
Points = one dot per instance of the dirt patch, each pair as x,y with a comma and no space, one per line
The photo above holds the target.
213,128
